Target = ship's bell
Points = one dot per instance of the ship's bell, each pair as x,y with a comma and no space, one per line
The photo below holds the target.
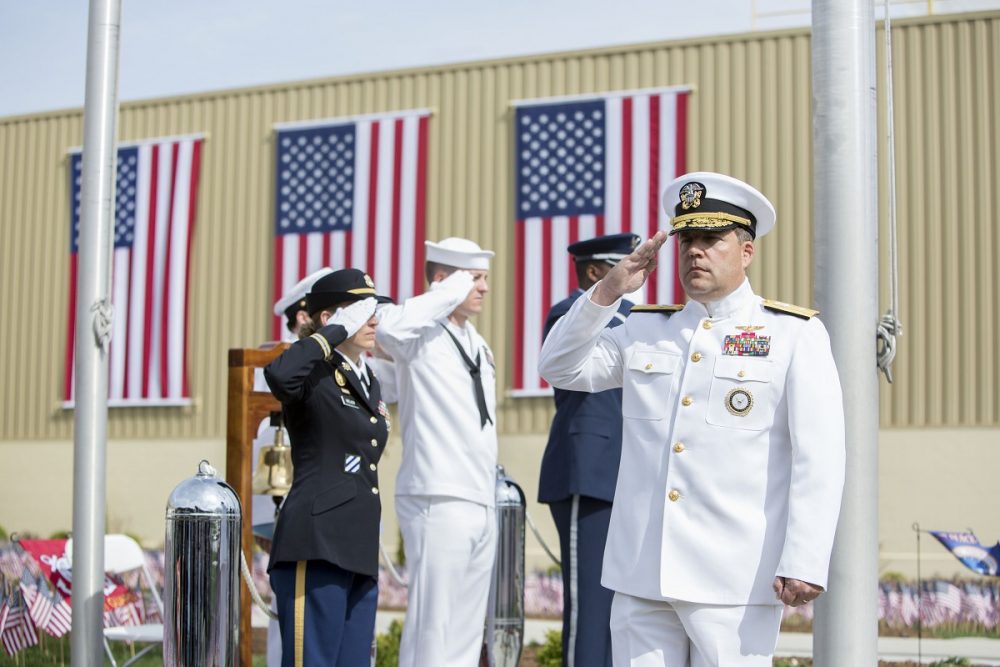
273,475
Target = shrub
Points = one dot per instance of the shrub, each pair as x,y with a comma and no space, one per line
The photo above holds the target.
387,646
400,552
550,654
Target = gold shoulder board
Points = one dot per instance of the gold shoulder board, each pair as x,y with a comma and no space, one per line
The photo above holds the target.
667,309
789,309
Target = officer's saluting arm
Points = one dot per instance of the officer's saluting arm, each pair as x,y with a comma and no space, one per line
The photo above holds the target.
401,326
816,429
286,375
580,353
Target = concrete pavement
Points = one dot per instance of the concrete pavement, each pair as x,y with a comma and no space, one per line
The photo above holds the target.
977,650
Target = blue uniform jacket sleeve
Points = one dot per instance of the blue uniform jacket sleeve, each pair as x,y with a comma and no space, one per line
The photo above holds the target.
286,375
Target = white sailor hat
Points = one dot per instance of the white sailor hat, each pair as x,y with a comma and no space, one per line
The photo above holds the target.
460,253
294,299
706,200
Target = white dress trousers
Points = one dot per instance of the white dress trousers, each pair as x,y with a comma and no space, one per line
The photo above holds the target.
659,633
450,545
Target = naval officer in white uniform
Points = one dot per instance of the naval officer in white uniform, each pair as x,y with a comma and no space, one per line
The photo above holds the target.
732,462
445,489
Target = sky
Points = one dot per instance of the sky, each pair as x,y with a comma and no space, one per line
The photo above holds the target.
189,46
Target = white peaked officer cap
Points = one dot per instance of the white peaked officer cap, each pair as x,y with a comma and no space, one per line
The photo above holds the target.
294,299
706,200
460,253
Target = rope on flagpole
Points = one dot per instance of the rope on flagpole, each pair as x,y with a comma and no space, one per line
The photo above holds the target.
890,325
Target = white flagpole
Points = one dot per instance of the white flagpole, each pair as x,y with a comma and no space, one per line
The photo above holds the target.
93,326
845,243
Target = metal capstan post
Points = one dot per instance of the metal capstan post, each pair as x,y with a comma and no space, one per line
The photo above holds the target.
201,593
505,610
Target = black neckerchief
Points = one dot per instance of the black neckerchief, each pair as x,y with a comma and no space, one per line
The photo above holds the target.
477,379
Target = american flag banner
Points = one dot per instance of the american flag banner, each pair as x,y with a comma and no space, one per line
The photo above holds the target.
39,606
588,166
156,196
18,631
46,608
351,193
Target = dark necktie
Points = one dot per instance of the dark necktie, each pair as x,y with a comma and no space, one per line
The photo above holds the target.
477,378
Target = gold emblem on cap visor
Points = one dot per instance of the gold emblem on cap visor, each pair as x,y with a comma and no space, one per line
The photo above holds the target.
739,401
690,195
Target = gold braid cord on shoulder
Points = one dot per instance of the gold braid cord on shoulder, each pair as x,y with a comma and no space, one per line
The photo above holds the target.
789,309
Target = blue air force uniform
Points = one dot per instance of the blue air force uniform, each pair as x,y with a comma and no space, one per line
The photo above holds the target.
578,475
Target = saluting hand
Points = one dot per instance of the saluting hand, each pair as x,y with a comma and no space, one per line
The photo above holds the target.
795,592
354,316
461,281
629,274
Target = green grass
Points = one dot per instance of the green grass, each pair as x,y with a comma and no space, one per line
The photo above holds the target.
51,652
50,655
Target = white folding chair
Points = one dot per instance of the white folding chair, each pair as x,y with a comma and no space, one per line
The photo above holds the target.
123,554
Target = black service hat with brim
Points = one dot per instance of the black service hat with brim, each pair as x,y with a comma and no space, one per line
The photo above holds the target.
343,286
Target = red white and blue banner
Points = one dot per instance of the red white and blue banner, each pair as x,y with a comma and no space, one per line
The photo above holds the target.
587,166
351,193
156,197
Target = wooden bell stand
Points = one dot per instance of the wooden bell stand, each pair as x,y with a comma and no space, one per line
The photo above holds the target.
245,410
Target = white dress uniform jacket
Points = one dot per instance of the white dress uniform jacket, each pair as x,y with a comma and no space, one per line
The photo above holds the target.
732,466
445,450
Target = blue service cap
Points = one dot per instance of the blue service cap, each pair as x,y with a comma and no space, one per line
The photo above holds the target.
611,248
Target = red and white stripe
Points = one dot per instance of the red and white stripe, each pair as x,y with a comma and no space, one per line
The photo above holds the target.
150,283
39,606
18,633
61,619
386,239
645,150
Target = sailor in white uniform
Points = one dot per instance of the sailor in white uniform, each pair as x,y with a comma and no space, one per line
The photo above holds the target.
732,462
446,379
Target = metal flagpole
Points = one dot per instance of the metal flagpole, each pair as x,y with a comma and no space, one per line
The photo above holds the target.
845,237
93,327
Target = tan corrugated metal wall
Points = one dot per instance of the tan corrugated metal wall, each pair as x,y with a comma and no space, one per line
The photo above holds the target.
749,116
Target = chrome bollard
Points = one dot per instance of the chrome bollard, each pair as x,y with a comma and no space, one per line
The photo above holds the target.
201,591
505,613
